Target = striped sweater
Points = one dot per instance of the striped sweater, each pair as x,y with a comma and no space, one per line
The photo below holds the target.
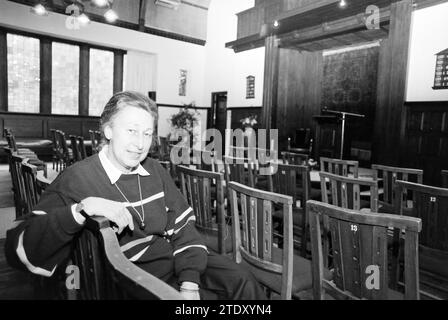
169,244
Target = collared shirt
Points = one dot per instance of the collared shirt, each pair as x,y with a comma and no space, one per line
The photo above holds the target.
113,172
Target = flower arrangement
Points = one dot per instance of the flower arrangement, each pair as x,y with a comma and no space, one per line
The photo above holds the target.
249,122
184,119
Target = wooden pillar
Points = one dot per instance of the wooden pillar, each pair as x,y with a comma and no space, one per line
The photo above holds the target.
45,76
270,86
142,15
84,80
3,72
118,71
391,89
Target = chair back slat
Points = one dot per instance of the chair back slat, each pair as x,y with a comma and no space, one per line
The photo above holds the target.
244,224
203,191
339,167
360,252
253,228
267,230
389,175
254,242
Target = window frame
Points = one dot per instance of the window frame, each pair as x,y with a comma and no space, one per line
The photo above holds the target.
45,46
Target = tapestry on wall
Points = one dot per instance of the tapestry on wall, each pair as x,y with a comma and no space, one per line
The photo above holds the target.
349,84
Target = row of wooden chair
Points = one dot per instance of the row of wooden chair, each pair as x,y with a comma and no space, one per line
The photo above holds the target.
272,259
63,155
346,192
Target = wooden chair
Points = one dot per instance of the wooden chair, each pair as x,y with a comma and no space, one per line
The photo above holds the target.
95,137
104,271
444,174
82,147
239,170
24,152
68,156
18,185
302,142
11,140
386,177
294,181
359,242
294,158
205,194
345,192
255,246
75,148
431,205
32,191
339,167
164,150
58,153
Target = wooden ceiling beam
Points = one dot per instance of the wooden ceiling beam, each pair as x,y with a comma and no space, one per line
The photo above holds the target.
142,15
331,29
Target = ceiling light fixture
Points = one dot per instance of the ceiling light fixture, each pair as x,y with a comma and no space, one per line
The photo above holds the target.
342,4
100,3
83,19
110,16
276,24
39,9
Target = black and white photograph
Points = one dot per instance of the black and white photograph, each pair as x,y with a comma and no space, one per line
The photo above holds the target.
245,155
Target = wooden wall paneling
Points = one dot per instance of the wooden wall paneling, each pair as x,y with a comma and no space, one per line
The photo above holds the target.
69,126
299,91
426,139
392,69
25,128
118,71
84,79
89,125
45,75
269,111
3,72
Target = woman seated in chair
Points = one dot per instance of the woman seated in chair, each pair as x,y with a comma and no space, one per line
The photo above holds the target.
154,224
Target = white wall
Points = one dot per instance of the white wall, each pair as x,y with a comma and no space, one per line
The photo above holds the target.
226,70
428,37
171,55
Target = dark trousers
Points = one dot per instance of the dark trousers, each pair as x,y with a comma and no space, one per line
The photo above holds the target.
223,279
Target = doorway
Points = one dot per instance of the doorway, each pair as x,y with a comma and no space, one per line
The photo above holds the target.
218,115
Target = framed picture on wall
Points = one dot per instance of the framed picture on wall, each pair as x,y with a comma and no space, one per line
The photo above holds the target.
250,87
183,83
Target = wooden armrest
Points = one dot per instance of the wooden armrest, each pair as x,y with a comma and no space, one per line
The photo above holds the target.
134,279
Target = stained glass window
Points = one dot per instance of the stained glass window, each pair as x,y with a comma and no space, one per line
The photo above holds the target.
250,87
65,78
183,83
101,80
23,73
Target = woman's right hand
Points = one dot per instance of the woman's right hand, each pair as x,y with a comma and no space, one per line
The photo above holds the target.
112,210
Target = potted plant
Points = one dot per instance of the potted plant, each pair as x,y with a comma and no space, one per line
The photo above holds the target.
184,120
